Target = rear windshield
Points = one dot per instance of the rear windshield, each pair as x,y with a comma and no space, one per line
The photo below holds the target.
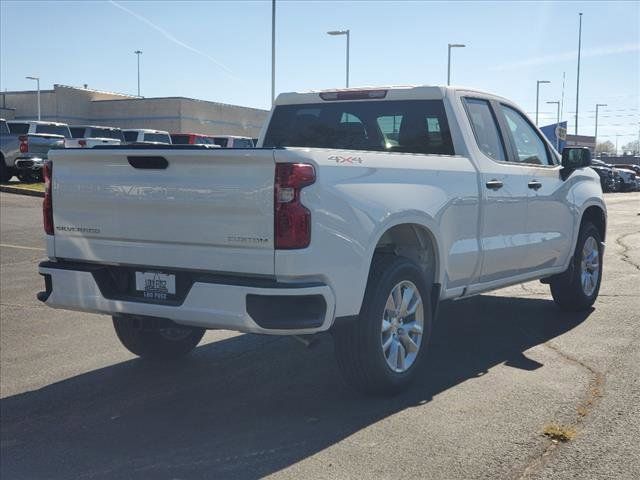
18,128
54,130
223,142
77,132
157,137
113,133
412,126
242,143
180,139
130,136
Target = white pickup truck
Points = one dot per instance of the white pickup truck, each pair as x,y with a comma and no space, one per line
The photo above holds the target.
361,211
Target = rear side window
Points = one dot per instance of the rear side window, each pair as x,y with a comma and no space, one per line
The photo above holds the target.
130,136
157,137
485,128
4,129
18,128
411,126
54,130
223,142
77,132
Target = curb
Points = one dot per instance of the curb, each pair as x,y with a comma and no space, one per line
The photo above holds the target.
21,191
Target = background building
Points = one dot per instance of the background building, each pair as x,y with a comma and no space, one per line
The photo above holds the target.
82,106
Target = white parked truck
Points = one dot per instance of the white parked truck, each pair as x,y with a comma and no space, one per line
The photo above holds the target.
89,136
360,210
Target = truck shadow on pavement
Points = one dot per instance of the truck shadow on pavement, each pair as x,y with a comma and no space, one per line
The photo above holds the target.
247,406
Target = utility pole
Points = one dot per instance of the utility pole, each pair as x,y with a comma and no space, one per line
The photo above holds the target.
138,53
37,79
449,47
578,76
557,103
538,82
348,34
595,136
273,51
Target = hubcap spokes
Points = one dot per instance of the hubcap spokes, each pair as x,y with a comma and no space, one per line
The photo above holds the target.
590,266
402,326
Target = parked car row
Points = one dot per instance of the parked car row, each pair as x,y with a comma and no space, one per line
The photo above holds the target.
617,178
25,144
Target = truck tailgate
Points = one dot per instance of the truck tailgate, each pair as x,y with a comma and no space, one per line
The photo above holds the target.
207,210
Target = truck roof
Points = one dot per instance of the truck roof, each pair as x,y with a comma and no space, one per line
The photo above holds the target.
144,130
38,122
386,92
94,126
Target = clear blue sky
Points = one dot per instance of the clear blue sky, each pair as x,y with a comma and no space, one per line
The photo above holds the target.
221,51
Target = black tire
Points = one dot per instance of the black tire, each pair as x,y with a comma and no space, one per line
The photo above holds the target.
567,289
5,172
358,343
155,338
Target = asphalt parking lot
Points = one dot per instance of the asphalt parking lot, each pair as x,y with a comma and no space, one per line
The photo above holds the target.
76,404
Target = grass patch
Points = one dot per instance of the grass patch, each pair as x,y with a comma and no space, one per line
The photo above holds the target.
34,187
559,433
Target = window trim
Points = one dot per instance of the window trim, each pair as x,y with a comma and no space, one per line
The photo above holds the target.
506,150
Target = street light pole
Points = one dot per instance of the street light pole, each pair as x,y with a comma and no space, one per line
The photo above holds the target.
138,53
37,79
348,34
538,82
557,103
273,51
449,47
595,136
578,76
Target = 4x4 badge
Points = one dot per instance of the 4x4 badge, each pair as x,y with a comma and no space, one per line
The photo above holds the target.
348,160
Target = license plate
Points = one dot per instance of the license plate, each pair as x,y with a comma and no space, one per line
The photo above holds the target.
155,285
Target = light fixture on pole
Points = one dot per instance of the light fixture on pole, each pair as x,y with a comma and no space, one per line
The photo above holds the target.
138,53
538,82
595,136
37,79
557,103
347,33
450,46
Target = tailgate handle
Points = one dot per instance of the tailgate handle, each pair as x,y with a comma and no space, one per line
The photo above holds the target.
148,163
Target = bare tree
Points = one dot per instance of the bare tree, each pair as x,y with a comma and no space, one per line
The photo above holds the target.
632,147
606,147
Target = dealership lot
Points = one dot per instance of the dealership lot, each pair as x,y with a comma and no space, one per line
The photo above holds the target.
503,367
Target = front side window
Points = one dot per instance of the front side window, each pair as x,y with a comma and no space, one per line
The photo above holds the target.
410,126
529,146
485,128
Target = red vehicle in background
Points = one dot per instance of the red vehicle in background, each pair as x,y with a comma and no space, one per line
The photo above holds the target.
192,139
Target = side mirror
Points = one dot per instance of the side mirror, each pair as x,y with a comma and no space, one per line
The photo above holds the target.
576,157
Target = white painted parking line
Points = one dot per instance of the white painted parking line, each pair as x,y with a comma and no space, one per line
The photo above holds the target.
21,247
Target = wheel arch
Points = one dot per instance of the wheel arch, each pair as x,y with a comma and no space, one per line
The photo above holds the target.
596,215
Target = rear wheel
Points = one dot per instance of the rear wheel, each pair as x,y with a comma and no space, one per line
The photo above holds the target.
156,338
578,287
383,350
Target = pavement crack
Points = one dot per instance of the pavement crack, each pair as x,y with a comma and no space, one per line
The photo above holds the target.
625,250
586,405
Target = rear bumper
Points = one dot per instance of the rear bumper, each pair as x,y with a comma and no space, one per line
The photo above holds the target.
30,163
218,302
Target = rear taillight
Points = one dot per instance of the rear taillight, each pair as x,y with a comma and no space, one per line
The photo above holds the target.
24,143
82,143
292,222
47,204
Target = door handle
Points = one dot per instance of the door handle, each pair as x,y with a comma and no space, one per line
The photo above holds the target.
494,184
534,184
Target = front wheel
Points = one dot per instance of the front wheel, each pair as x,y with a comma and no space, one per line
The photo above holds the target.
578,287
383,350
156,338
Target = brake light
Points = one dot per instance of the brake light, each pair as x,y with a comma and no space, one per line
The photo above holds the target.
292,220
82,143
353,95
47,204
24,143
